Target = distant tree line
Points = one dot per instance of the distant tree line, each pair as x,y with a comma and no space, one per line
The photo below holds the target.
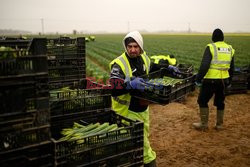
13,32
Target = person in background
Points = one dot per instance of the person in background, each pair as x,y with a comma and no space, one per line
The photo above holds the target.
125,77
164,59
214,75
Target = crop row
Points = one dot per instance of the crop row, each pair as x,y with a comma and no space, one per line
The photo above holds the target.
188,49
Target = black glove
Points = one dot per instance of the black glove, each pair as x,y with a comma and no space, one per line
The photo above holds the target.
174,69
228,83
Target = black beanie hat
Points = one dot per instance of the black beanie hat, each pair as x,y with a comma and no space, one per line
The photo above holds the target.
217,35
129,40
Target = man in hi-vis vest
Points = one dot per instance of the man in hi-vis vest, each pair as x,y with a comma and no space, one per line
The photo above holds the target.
125,77
125,72
214,76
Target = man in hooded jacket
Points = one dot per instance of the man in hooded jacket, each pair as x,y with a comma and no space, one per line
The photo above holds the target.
125,77
125,72
215,73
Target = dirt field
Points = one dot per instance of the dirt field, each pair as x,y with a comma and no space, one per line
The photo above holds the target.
177,144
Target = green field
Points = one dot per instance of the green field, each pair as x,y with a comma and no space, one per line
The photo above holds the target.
186,48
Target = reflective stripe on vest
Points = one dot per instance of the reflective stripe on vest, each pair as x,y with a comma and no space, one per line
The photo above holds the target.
121,58
146,61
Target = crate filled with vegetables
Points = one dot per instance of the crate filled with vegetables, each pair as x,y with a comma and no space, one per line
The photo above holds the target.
162,89
66,61
23,73
100,138
34,155
66,101
23,57
186,68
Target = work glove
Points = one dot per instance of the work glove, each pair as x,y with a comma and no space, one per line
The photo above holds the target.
228,83
176,73
137,83
174,69
198,84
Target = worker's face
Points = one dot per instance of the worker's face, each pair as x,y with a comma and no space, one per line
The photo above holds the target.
133,49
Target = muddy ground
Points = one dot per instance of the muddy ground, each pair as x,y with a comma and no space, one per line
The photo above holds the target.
177,144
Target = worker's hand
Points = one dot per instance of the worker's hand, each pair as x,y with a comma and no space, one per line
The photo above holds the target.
174,69
229,86
176,73
228,83
137,83
198,84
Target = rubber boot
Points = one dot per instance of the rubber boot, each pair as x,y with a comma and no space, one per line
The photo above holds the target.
203,125
219,123
151,164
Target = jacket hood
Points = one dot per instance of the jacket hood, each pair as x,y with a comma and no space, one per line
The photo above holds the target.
217,35
137,37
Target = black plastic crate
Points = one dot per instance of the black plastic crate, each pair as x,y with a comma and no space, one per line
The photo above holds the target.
184,88
121,147
233,91
21,94
248,81
246,69
66,61
88,83
237,88
66,101
239,83
24,137
37,155
24,57
239,77
17,121
186,68
164,94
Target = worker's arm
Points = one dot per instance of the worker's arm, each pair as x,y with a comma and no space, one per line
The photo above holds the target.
117,79
231,70
205,64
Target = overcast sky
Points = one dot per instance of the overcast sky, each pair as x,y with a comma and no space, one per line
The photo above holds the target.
125,15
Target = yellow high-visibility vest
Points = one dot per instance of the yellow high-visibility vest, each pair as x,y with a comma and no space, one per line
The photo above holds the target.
121,103
157,58
222,55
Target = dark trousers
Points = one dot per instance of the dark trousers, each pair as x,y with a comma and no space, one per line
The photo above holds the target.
212,87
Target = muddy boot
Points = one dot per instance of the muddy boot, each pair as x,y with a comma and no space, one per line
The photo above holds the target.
219,123
203,125
151,164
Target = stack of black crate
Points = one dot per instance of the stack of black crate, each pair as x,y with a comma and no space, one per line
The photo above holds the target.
24,103
239,83
66,61
73,98
246,69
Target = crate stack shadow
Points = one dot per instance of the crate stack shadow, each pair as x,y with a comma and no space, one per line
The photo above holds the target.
24,108
72,101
